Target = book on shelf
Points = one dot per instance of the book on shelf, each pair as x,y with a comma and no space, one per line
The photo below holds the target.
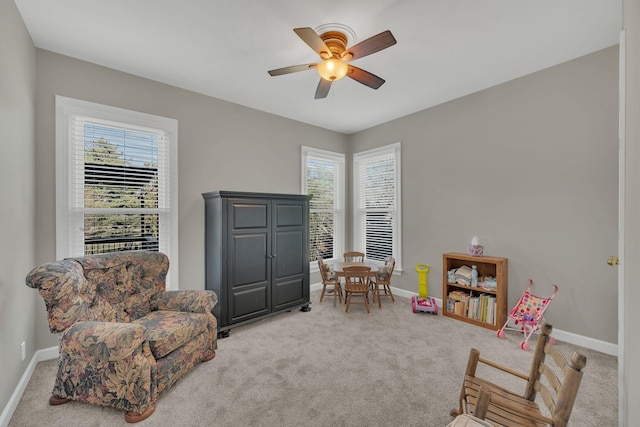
457,302
491,309
477,307
458,295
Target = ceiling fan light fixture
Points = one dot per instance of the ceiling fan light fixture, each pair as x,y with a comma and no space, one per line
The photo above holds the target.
332,69
331,46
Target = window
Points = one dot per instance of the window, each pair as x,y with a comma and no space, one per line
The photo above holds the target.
116,181
376,178
323,179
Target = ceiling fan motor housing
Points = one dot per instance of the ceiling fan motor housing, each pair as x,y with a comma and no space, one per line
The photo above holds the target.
336,42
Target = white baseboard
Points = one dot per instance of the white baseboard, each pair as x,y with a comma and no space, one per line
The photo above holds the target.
48,353
560,335
8,411
590,343
40,355
315,287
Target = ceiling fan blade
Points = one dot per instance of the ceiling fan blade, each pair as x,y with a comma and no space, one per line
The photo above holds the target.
314,41
323,89
371,45
291,69
364,77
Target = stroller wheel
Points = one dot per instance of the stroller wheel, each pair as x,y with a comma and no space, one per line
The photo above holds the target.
552,340
525,345
501,334
413,304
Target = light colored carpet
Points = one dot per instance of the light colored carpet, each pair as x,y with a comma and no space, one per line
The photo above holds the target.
322,368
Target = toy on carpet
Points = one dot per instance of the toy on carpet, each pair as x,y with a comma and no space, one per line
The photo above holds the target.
528,314
423,302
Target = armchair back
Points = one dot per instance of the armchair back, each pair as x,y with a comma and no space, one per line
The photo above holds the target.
113,287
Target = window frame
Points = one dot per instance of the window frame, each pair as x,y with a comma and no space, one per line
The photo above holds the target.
66,110
338,159
362,158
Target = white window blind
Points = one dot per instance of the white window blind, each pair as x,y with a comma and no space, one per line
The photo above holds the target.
377,203
115,178
323,179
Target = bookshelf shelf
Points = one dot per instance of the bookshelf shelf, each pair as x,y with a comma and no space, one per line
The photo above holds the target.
487,266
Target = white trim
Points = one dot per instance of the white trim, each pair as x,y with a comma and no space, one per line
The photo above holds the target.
340,225
367,154
317,152
48,353
12,404
622,147
67,107
587,342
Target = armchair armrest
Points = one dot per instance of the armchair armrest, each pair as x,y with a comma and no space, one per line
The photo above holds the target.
104,341
66,293
190,301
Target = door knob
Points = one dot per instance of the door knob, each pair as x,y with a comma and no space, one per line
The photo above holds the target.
613,260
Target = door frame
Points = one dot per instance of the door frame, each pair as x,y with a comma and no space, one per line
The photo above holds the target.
621,228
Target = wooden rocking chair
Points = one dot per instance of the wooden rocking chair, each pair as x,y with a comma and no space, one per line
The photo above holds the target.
557,384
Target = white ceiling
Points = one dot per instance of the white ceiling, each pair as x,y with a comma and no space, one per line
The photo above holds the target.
223,48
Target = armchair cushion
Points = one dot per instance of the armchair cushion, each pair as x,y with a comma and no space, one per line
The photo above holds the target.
169,330
111,286
383,272
327,272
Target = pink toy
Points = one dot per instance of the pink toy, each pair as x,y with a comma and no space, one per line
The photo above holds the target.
423,302
528,313
427,305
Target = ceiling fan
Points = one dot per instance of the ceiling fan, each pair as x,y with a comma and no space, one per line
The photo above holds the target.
332,48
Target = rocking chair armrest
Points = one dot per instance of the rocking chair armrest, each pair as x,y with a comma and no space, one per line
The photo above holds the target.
104,341
187,300
482,403
504,368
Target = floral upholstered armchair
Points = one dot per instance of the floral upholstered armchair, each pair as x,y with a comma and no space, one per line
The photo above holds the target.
124,340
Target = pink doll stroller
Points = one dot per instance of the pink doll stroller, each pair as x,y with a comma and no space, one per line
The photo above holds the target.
528,312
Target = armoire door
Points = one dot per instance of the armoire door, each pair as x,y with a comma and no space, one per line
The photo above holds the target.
249,258
290,259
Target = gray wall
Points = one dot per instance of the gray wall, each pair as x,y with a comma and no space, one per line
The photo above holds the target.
529,166
222,146
17,236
